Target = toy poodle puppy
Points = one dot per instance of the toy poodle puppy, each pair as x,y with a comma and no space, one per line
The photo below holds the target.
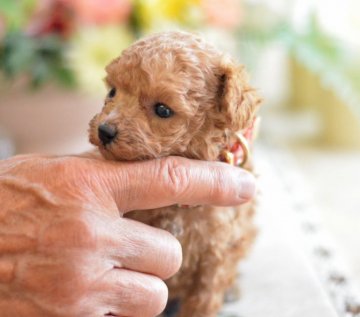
174,94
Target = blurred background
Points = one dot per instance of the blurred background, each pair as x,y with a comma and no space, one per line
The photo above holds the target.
302,55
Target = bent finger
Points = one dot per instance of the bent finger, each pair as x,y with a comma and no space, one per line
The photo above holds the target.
135,246
128,293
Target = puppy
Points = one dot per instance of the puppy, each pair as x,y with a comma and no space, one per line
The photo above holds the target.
174,94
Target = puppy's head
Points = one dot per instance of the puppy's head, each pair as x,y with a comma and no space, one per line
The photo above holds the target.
172,94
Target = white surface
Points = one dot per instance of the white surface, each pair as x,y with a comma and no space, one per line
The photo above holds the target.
337,198
278,279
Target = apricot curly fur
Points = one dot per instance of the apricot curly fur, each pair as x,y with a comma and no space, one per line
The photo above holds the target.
212,99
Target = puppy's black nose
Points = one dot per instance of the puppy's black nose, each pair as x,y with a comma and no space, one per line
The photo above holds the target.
107,133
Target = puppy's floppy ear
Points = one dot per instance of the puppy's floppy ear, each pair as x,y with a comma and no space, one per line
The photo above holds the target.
238,101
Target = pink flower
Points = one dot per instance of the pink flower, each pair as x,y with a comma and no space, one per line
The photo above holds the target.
100,11
51,17
225,13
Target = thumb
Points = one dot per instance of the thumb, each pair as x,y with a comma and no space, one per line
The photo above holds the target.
167,181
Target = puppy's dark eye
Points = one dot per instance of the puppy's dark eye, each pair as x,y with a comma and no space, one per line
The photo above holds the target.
112,93
163,111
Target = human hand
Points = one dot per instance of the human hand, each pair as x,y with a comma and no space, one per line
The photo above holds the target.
65,250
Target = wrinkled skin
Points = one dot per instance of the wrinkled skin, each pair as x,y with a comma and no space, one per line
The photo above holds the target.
66,250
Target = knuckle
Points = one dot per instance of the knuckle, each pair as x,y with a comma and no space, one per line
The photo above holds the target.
75,282
176,175
69,233
158,297
144,295
174,258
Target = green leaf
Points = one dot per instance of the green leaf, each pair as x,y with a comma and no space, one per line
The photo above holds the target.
17,53
40,73
65,77
40,58
16,12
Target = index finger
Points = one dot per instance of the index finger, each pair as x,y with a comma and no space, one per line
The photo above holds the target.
175,180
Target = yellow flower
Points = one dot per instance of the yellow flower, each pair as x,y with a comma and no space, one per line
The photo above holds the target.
92,49
177,9
153,13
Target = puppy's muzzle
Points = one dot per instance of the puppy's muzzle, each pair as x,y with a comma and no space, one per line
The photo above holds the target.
107,133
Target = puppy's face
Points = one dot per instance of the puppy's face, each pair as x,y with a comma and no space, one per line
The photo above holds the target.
171,94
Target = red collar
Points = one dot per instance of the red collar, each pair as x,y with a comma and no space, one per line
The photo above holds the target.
238,153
